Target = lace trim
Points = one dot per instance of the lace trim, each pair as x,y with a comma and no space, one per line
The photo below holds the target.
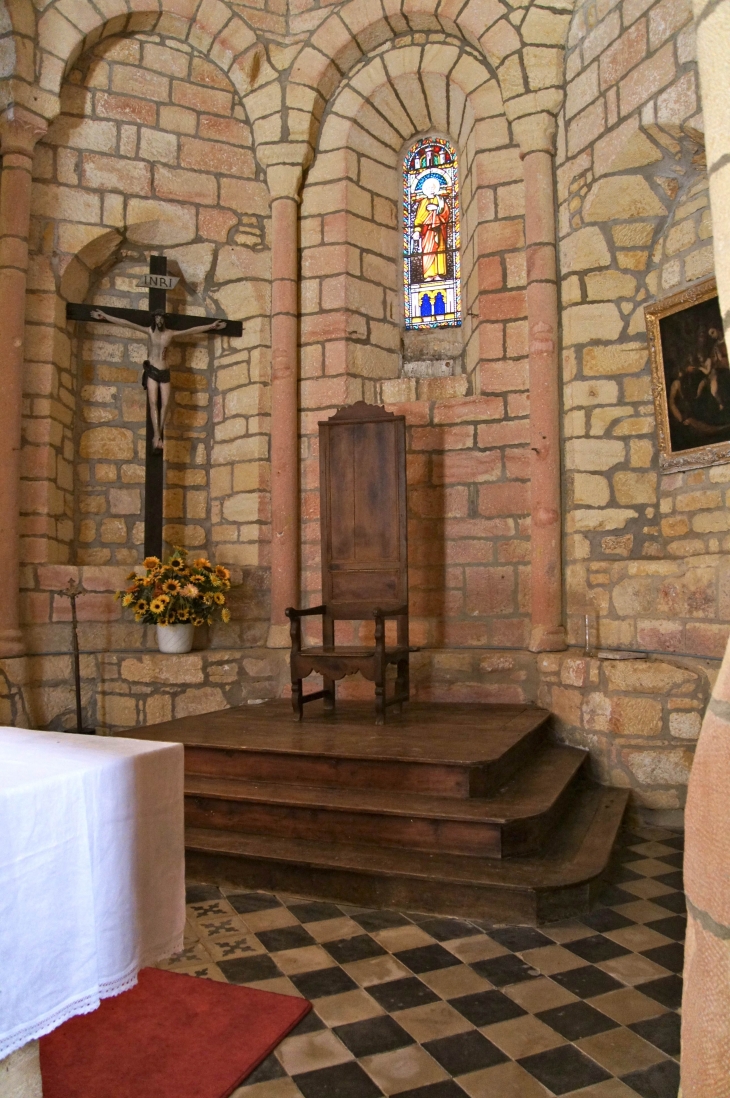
86,1003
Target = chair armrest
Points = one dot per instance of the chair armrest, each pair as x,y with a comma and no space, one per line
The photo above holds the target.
293,614
398,613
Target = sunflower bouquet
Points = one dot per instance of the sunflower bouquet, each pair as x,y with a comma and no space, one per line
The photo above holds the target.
178,592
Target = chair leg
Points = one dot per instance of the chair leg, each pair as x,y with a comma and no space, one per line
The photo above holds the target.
329,695
380,708
296,699
401,683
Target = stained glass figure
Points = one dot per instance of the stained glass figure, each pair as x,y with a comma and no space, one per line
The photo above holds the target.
431,267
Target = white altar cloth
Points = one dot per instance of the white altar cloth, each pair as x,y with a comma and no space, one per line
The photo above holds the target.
92,872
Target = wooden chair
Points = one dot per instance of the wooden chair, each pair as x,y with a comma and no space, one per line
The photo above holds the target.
362,471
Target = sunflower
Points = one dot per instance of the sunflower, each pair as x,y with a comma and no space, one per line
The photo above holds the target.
127,599
202,562
183,615
226,615
177,563
151,562
198,621
171,618
148,581
172,587
138,617
219,599
140,607
132,576
157,605
198,578
221,572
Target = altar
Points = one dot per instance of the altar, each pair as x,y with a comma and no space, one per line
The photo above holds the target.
92,875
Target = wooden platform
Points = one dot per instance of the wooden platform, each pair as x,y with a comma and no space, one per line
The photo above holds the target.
457,809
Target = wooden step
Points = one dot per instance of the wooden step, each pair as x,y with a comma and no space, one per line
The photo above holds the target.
444,750
515,820
552,885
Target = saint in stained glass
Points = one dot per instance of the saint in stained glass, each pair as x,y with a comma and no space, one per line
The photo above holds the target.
431,274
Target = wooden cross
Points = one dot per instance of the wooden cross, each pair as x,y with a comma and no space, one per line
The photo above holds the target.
158,282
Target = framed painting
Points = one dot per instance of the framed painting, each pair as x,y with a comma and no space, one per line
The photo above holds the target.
690,378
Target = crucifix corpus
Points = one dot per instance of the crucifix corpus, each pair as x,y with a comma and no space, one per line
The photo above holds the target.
160,328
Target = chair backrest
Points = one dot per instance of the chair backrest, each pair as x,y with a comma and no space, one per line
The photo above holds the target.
362,456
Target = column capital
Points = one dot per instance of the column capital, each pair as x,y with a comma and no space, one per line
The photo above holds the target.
535,133
20,131
284,181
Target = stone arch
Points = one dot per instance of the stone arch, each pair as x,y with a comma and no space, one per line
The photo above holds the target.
223,35
351,309
528,73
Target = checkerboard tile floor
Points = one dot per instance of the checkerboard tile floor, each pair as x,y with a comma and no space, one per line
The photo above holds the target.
426,1007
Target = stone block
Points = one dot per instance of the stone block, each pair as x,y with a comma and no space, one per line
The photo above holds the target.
207,699
635,487
117,710
160,668
584,323
593,454
621,358
608,518
659,766
590,489
647,79
20,1073
609,285
685,726
579,394
622,196
647,676
584,249
631,716
125,501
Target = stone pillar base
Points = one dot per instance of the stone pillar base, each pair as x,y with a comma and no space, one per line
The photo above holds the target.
20,1073
548,639
278,636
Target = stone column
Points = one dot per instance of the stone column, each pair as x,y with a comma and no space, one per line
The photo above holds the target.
18,137
536,136
284,183
706,998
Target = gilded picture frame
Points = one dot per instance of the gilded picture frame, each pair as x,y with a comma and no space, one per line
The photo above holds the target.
690,378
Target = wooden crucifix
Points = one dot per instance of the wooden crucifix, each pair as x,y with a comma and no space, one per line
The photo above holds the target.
159,327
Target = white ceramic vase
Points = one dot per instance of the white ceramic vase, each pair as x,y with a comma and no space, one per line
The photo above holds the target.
175,638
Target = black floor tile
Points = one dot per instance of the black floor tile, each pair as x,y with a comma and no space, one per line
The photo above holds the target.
663,1032
465,1052
621,873
249,970
252,901
596,948
268,1069
402,994
605,919
195,894
672,880
502,971
285,937
669,956
323,981
380,920
676,842
315,912
445,1089
310,1023
336,1082
373,1035
659,1081
586,981
564,1069
520,938
675,860
674,926
427,958
576,1020
667,990
611,895
673,901
484,1008
359,948
444,930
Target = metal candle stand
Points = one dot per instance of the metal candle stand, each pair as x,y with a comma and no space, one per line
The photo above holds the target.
71,592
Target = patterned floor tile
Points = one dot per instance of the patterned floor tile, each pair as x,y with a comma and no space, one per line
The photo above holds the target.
418,1006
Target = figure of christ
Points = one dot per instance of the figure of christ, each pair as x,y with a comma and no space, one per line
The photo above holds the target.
430,230
155,374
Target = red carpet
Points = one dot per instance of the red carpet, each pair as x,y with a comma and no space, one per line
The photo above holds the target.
171,1036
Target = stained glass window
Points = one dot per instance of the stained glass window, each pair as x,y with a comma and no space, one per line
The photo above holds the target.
432,286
